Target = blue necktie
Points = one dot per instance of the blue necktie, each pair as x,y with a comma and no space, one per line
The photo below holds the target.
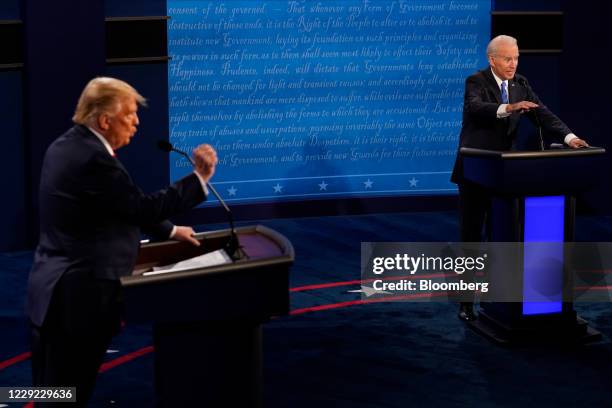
504,92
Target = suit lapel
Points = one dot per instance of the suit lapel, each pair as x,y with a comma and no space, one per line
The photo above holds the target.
492,84
515,95
514,91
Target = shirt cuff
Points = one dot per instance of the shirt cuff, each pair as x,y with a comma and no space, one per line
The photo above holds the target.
203,183
173,232
501,111
569,138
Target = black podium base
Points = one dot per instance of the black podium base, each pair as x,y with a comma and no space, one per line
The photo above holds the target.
208,364
575,332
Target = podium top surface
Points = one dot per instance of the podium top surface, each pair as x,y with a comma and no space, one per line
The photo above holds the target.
249,289
262,246
537,154
524,173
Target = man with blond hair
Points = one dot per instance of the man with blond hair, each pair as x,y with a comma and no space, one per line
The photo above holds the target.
494,101
91,218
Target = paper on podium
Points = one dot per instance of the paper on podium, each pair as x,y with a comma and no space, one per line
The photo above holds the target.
218,257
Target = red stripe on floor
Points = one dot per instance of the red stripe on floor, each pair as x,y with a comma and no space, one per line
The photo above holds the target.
324,285
14,360
364,301
124,359
359,281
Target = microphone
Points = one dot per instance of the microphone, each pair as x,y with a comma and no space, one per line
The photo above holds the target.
233,247
165,145
523,82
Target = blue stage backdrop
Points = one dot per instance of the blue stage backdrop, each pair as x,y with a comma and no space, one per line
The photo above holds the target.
316,99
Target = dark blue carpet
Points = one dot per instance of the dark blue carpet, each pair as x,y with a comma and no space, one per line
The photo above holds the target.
373,355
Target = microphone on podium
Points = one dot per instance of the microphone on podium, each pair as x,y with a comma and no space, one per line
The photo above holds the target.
233,248
524,84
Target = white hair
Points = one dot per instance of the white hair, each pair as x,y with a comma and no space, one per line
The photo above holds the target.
497,41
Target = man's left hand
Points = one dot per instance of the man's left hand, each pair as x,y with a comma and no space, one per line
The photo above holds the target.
185,234
577,143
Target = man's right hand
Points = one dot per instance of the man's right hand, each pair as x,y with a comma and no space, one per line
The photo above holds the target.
205,158
522,106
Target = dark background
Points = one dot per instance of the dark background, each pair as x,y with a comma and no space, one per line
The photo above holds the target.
49,50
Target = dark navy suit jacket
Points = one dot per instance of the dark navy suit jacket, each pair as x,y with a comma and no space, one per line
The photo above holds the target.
482,129
91,215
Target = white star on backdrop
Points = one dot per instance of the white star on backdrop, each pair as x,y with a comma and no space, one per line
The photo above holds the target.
413,182
368,183
323,186
232,190
278,188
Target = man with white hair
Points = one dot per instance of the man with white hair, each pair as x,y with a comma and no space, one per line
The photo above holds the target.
494,100
91,218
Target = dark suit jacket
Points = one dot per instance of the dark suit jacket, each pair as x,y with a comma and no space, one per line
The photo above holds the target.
482,129
91,215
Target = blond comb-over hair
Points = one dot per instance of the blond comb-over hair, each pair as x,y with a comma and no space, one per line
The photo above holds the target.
103,95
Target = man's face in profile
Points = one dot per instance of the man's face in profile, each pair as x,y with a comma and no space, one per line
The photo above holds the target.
505,61
122,125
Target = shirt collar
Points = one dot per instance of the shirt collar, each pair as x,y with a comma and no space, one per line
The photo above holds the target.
498,80
103,140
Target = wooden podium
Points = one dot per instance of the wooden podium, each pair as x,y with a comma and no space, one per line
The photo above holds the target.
533,201
207,321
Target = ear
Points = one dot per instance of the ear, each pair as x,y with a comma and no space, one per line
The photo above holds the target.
103,121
